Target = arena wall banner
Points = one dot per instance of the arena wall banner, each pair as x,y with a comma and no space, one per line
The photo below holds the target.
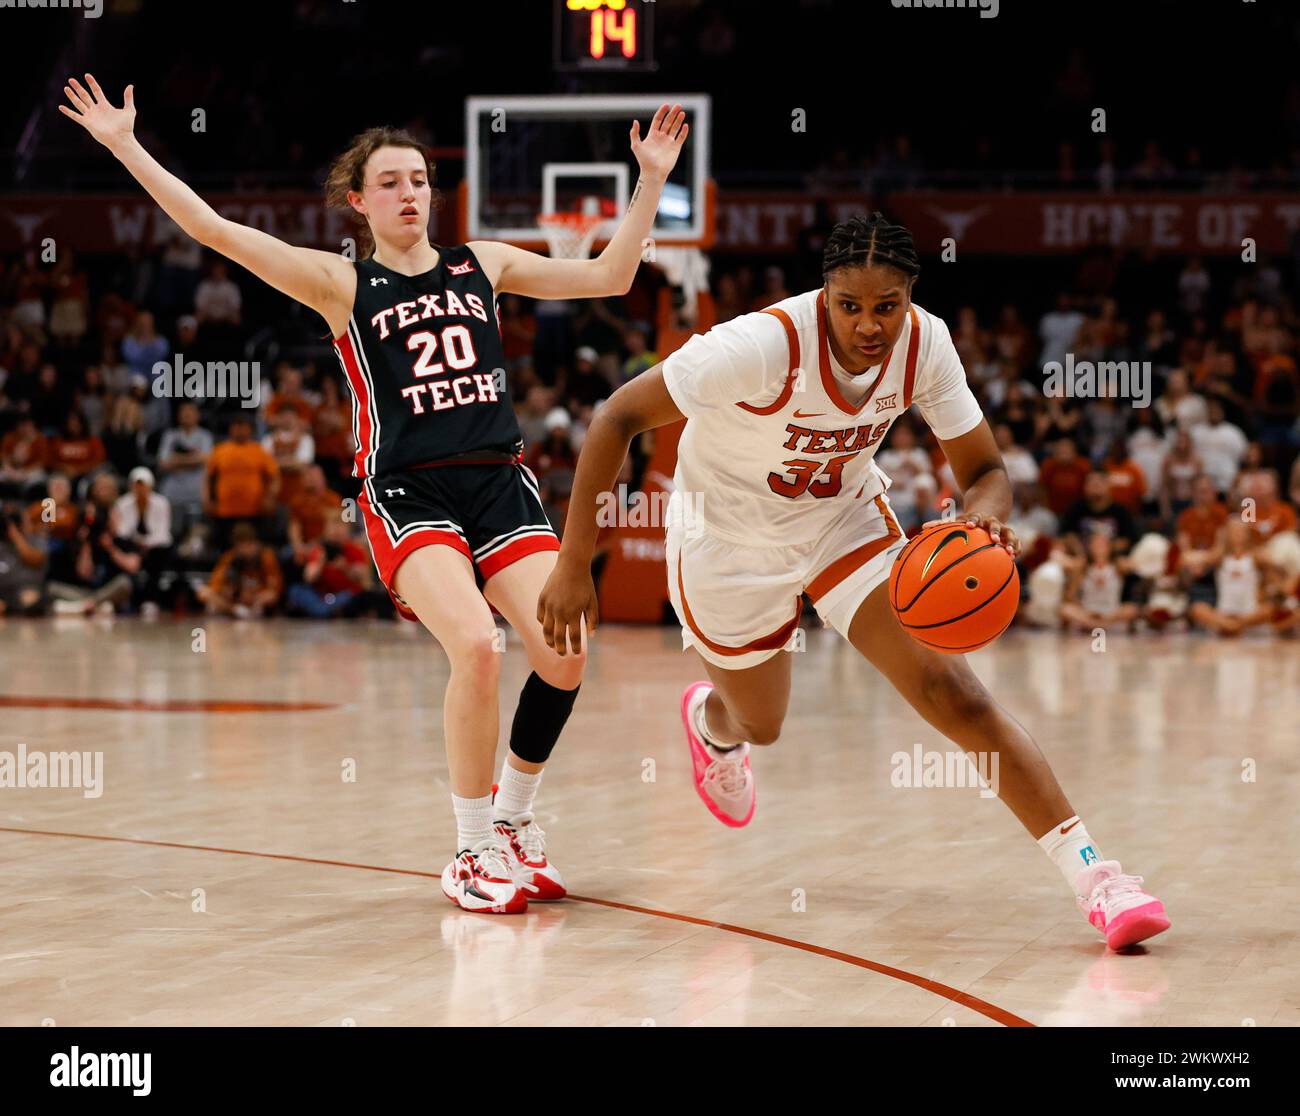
757,223
1031,224
124,222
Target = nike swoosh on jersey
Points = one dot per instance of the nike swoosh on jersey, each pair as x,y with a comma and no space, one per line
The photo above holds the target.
809,414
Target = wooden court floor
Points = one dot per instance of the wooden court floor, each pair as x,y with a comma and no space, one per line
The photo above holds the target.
230,872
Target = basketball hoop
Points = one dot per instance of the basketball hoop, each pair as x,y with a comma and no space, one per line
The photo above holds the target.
569,236
571,233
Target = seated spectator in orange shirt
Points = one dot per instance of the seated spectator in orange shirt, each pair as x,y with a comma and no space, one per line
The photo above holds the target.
76,451
291,444
332,430
23,453
243,480
1062,476
1271,514
1271,366
1198,526
1128,485
246,581
1277,400
289,396
314,503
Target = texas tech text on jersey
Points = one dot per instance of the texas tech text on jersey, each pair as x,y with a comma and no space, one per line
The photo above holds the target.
424,361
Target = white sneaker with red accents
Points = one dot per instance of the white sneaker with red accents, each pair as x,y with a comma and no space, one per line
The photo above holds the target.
1117,906
525,843
481,879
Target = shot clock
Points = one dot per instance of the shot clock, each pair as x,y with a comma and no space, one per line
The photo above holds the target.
604,34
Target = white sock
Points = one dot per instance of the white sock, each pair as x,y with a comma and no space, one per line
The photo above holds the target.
473,820
699,718
516,791
1071,851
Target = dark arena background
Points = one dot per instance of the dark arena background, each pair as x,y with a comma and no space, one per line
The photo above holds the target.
223,781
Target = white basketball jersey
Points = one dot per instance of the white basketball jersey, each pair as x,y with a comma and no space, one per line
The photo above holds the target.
1238,584
773,451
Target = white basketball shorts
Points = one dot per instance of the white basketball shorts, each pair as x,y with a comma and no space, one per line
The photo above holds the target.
739,605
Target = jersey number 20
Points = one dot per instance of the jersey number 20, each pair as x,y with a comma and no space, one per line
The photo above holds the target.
457,350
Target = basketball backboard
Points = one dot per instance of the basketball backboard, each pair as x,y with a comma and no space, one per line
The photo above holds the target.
528,155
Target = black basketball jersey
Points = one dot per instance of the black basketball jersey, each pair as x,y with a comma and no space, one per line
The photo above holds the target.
423,357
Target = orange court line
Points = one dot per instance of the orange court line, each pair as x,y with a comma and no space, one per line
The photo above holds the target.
136,706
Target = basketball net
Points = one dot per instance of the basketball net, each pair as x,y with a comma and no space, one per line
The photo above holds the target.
571,233
687,268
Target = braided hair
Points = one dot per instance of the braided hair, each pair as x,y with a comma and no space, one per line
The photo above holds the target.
873,241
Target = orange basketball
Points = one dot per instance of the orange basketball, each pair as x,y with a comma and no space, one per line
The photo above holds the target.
953,588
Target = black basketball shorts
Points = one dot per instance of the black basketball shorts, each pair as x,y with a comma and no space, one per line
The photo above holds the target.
491,513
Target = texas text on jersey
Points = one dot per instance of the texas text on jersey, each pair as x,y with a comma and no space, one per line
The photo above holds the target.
422,355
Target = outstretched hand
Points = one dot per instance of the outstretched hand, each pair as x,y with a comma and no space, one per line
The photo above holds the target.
91,109
657,153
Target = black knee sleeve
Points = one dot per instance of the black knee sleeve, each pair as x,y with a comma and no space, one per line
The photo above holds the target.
540,718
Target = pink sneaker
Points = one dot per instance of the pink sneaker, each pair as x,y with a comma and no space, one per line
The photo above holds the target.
726,785
1117,906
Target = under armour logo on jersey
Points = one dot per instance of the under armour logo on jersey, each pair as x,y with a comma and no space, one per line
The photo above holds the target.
886,401
395,491
460,269
376,282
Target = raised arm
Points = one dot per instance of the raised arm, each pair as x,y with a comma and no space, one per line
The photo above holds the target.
322,280
513,270
570,593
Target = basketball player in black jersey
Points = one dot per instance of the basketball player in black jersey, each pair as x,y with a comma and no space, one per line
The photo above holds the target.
444,495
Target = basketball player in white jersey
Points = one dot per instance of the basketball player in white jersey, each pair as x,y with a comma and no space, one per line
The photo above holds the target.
784,411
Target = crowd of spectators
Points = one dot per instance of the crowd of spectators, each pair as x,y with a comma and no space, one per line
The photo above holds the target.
1173,504
117,497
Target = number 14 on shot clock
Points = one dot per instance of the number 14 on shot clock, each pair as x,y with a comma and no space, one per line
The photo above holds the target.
604,34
